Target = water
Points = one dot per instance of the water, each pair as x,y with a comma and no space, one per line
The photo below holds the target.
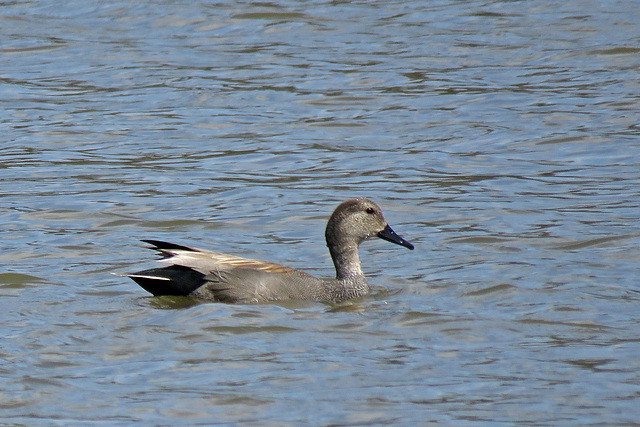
501,138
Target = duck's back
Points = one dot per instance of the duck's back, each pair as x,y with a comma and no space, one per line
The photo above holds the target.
221,277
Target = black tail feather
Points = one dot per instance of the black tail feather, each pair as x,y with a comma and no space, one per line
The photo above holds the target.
160,245
172,280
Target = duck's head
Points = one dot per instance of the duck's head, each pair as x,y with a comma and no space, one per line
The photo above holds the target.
358,219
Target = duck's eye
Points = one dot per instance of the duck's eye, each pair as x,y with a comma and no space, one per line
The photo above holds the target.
371,211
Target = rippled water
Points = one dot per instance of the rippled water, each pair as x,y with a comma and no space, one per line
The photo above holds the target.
501,138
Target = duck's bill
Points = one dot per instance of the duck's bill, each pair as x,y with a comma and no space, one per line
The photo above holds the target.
390,236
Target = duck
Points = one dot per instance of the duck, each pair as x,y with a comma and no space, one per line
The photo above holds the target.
220,277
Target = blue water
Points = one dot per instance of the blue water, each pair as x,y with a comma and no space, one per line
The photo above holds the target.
501,138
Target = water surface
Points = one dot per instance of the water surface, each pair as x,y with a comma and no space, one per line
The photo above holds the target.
501,138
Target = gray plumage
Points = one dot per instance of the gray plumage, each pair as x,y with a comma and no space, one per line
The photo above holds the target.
221,277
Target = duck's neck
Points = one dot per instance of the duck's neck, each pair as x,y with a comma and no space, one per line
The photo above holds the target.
347,262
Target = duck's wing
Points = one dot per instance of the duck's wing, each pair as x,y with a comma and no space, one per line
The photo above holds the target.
207,261
228,278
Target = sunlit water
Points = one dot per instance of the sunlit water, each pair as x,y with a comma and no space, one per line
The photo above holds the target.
501,138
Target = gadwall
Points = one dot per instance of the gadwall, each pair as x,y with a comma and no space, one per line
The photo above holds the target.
220,277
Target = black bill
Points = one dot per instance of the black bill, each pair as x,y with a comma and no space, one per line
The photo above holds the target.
389,235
